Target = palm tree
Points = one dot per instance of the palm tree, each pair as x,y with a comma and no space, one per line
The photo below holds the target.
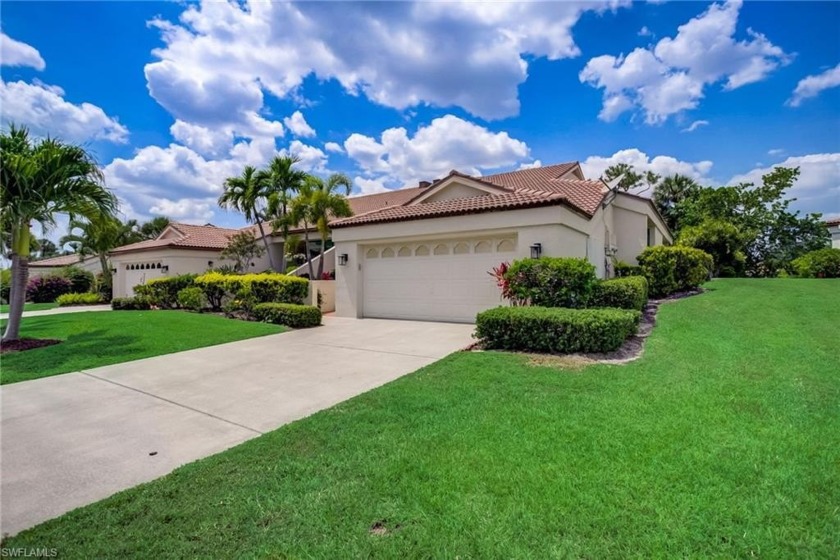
244,194
46,248
300,212
280,181
99,234
670,193
38,180
327,203
154,227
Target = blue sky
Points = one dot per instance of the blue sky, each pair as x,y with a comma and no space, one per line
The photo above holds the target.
174,97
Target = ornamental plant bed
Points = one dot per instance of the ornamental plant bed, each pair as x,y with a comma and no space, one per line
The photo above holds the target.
25,344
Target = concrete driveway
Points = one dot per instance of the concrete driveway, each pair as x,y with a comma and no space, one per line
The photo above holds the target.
73,439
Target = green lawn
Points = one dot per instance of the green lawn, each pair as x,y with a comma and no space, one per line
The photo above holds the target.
4,308
102,338
723,441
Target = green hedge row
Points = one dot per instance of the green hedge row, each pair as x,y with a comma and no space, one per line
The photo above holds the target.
288,314
555,329
624,293
78,299
552,282
137,303
163,292
670,269
822,263
256,288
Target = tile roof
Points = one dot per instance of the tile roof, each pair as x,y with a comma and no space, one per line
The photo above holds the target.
370,202
192,237
833,222
521,189
62,260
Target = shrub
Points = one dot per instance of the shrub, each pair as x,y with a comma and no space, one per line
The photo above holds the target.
622,270
674,268
258,288
137,303
624,293
78,299
163,292
289,314
552,282
544,329
5,284
103,287
46,289
191,298
822,263
81,281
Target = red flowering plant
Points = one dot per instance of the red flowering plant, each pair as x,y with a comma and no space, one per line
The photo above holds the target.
500,273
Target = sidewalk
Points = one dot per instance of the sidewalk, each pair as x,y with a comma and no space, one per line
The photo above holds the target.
61,310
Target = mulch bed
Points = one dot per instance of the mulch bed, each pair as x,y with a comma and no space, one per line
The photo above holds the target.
24,344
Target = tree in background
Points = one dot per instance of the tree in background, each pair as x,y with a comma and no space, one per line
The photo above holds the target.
302,211
154,227
97,235
280,180
327,203
722,240
246,194
38,180
631,179
242,249
46,248
668,196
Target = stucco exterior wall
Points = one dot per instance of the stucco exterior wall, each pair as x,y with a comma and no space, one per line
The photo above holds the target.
179,261
631,217
537,225
835,236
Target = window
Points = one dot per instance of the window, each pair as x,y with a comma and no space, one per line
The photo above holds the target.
505,246
441,249
461,249
421,251
372,253
404,252
483,247
387,253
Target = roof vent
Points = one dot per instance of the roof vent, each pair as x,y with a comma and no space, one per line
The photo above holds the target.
425,184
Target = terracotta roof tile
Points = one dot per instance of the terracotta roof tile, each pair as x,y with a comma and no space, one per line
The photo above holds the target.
192,237
62,260
525,188
833,222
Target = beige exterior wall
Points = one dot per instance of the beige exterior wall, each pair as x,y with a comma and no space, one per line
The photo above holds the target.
89,264
631,217
835,236
178,261
455,190
327,290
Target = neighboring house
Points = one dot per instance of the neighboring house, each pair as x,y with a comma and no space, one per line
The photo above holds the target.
833,226
53,265
427,254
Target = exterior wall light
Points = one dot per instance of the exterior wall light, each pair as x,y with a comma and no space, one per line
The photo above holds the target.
165,268
536,250
342,259
209,264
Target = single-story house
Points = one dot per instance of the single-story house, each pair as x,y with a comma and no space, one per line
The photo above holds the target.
427,254
833,226
54,265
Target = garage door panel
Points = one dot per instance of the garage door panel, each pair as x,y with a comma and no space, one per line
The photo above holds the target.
451,287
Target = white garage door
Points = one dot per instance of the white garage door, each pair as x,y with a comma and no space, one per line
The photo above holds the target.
139,273
444,280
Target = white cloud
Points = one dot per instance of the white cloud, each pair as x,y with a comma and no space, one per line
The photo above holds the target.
205,141
776,152
370,186
188,210
670,77
334,147
311,158
594,166
532,165
818,187
695,125
43,109
644,32
298,125
446,143
219,57
812,86
16,53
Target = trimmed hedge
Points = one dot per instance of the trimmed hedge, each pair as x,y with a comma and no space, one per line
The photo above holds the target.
81,280
622,270
552,282
557,330
288,314
137,303
46,289
163,292
78,299
191,298
624,293
822,263
259,288
670,269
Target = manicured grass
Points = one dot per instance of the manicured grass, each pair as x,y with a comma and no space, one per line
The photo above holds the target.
723,441
102,338
31,307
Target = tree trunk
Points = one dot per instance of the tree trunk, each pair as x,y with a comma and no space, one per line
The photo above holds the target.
267,248
285,230
17,296
308,256
321,260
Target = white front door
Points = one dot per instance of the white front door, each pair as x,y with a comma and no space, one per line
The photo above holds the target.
444,280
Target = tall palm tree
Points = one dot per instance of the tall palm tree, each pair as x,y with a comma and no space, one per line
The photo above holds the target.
154,227
245,194
327,203
280,180
38,180
99,234
670,193
300,212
